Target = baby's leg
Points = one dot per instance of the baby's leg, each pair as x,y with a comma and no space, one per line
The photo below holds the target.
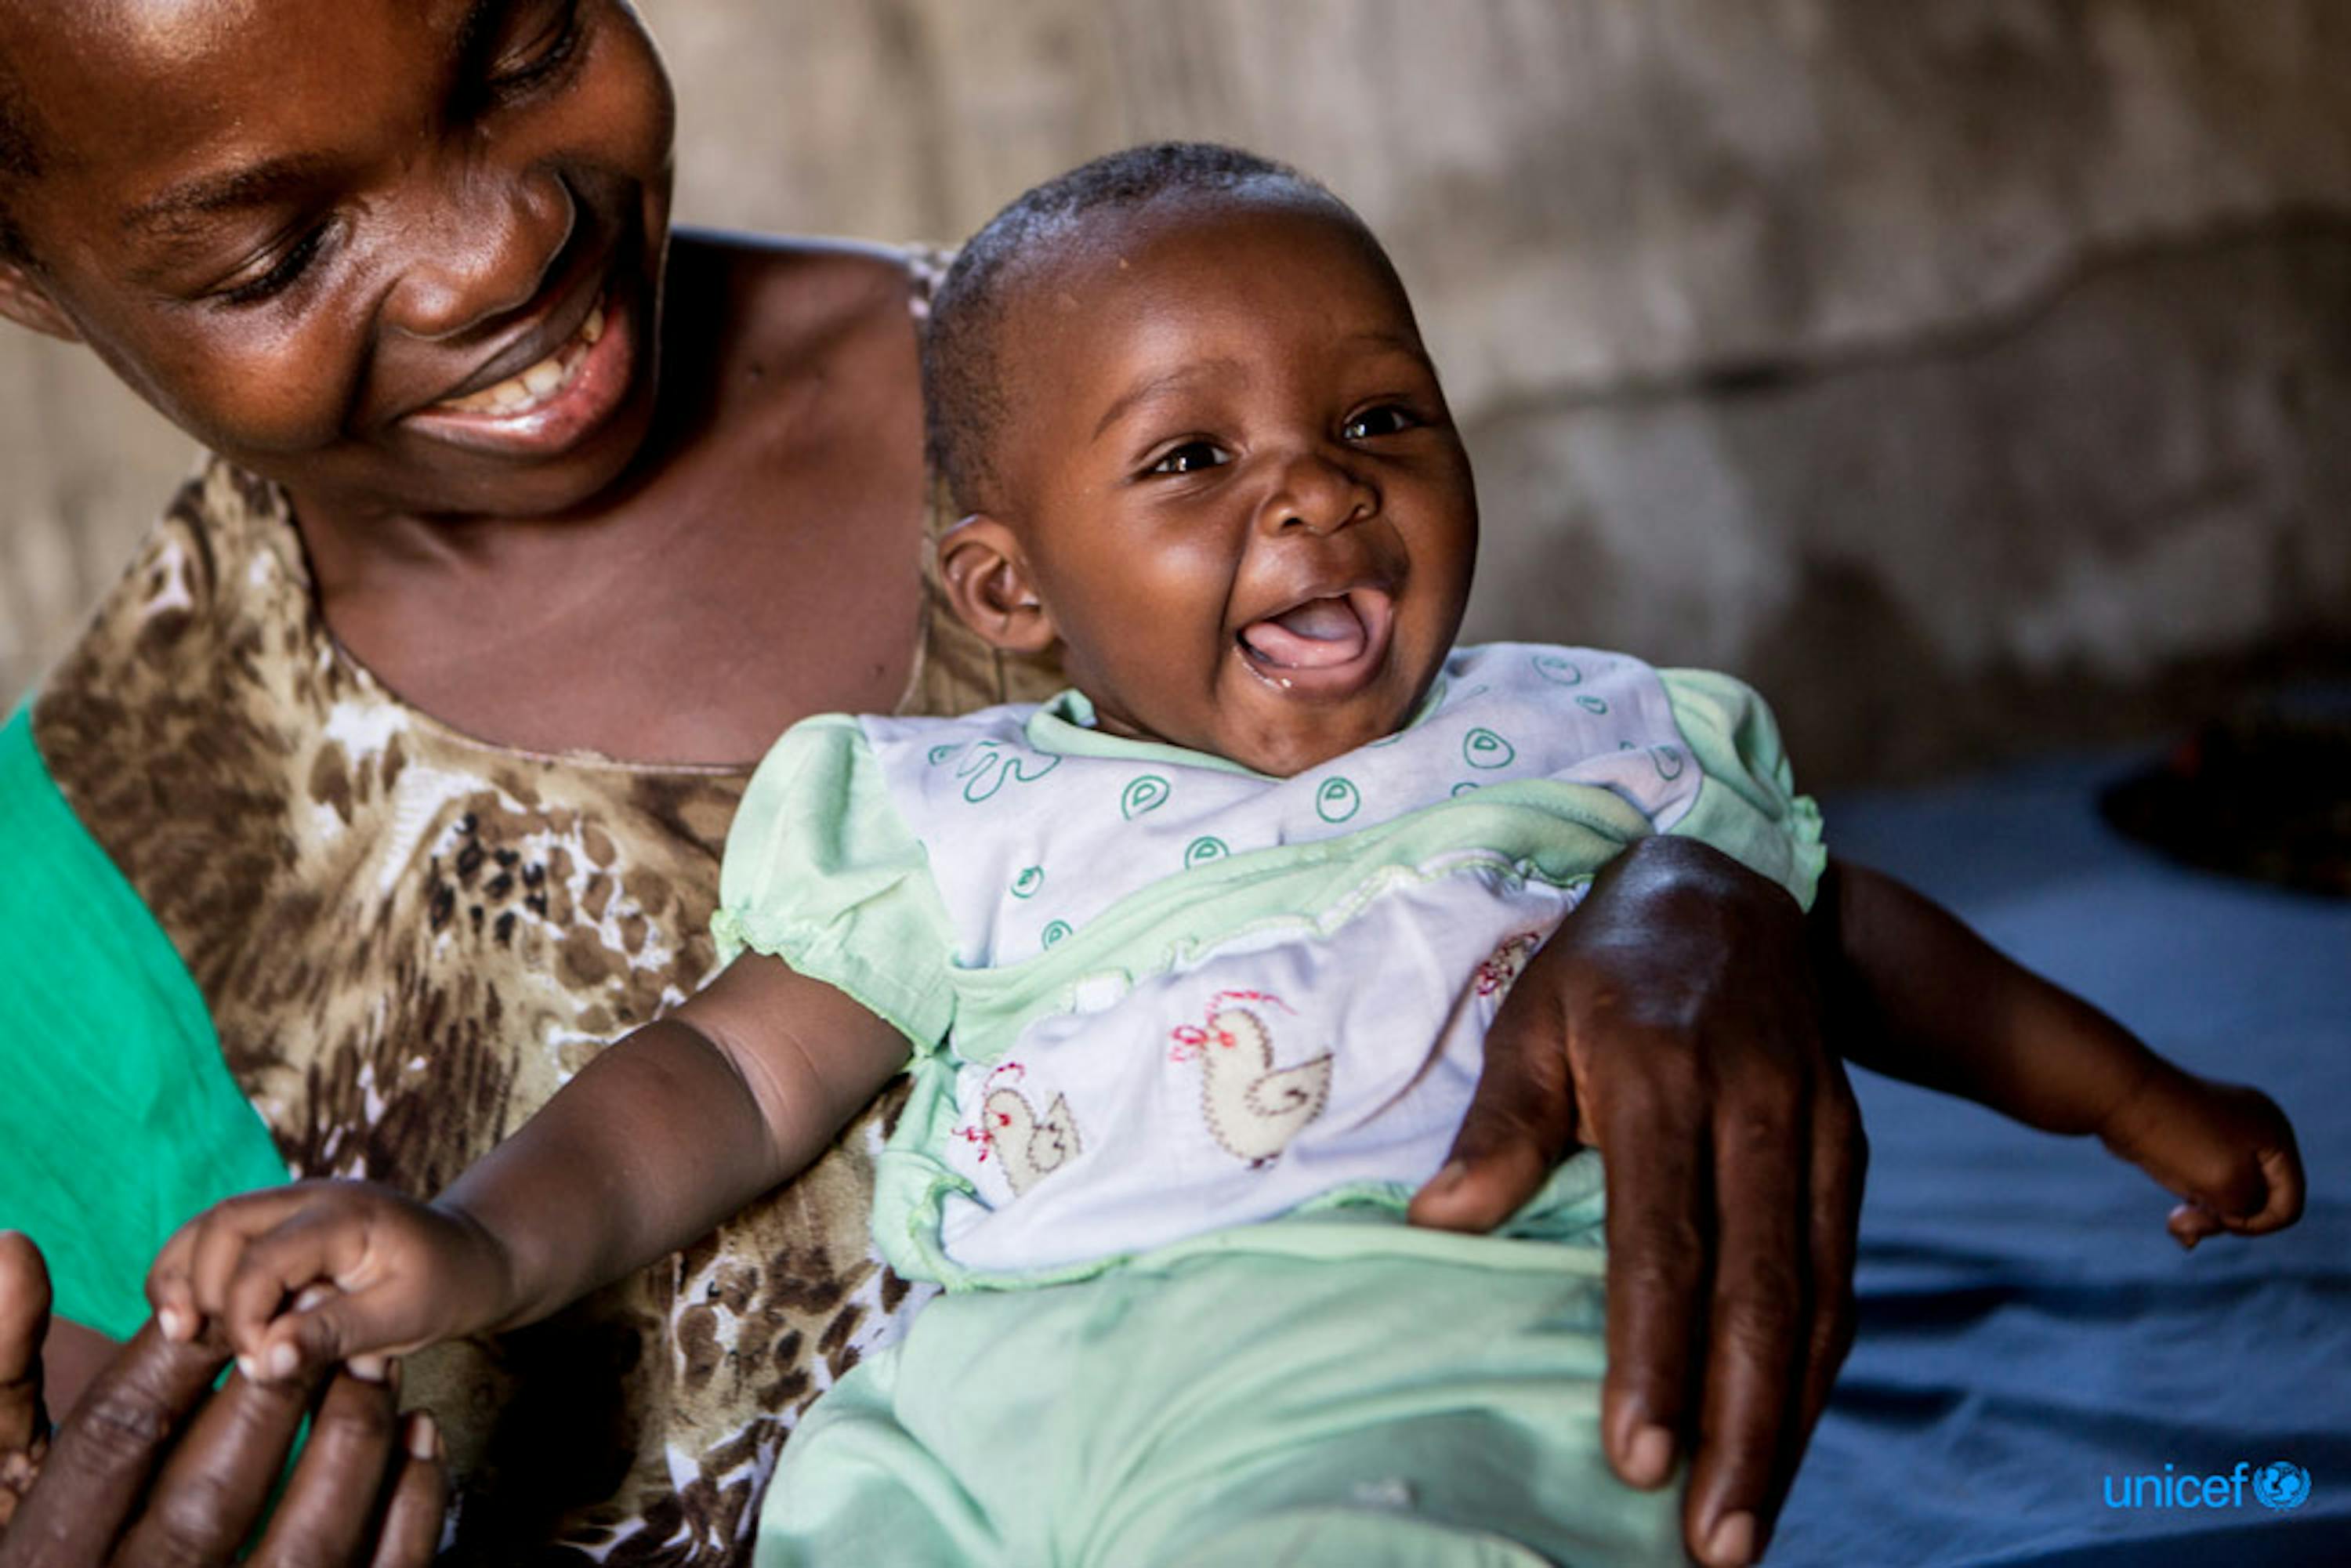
1321,1391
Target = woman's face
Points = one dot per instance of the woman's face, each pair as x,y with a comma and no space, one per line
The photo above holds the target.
400,255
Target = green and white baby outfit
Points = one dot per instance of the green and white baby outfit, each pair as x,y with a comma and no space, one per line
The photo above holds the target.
1185,1039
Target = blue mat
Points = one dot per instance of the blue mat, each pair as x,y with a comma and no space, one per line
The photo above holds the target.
2030,1338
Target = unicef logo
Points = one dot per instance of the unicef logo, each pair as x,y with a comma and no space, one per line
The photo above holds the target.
2281,1484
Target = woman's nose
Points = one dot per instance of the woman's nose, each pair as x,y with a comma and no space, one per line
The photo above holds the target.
487,255
1318,493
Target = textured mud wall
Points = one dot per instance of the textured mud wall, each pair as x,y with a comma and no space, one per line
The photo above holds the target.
1971,373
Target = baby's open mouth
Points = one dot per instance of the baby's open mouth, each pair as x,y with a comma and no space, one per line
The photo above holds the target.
1319,634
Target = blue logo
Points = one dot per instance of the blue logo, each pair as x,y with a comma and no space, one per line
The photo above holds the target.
2281,1484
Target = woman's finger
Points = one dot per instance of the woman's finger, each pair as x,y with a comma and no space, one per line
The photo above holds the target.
1520,1125
1751,1400
420,1499
101,1462
1658,1177
1840,1166
24,1325
329,1504
214,1486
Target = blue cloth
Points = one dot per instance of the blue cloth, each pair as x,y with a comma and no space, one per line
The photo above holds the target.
2027,1330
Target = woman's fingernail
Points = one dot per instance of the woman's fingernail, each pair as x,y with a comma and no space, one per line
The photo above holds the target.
1649,1457
423,1437
283,1360
313,1296
249,1368
1731,1542
366,1368
175,1325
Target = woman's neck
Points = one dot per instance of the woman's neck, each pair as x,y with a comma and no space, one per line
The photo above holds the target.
753,565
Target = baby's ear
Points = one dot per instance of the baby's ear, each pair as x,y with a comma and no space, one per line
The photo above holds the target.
23,301
988,582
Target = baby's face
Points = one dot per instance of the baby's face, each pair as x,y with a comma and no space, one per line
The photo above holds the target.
1242,500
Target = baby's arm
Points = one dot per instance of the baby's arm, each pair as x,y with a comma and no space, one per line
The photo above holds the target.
655,1141
1929,1001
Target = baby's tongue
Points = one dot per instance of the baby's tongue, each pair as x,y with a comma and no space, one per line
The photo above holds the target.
1316,634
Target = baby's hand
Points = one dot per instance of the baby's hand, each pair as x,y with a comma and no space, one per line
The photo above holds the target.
2226,1150
405,1275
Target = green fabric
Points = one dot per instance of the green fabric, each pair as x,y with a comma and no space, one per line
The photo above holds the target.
1748,807
1334,1390
119,1119
821,872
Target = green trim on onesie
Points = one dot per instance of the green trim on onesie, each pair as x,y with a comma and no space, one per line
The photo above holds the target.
107,1041
1525,830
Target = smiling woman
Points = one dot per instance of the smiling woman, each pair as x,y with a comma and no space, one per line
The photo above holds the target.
390,780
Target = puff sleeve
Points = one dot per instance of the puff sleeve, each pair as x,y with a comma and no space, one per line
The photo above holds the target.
1747,805
822,873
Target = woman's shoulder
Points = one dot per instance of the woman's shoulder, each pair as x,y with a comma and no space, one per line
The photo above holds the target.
770,298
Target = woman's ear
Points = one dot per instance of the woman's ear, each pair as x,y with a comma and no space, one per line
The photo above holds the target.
23,301
988,582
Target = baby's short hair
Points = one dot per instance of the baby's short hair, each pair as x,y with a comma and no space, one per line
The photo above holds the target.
962,370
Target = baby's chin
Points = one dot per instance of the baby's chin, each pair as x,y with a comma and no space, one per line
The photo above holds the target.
1300,742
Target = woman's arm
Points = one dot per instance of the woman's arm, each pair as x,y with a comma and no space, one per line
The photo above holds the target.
655,1141
1674,1022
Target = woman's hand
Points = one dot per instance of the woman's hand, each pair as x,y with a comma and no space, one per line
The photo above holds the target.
155,1466
1674,1024
24,1414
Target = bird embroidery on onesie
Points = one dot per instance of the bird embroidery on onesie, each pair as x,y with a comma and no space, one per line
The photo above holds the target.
1252,1107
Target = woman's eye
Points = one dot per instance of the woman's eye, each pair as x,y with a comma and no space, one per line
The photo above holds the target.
1386,420
282,274
546,55
1190,458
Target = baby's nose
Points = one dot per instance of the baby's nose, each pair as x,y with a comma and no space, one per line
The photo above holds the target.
1316,492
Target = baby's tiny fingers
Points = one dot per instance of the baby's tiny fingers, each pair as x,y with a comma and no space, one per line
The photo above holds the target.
171,1292
2192,1222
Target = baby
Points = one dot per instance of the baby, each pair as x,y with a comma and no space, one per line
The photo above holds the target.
1191,965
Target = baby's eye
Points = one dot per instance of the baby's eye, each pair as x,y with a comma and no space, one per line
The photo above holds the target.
1190,458
1386,420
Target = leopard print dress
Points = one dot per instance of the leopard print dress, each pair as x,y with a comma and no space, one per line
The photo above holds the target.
407,940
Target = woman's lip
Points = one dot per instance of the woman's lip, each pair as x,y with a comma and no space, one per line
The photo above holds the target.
593,389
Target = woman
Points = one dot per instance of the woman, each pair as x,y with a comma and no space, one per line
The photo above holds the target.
397,769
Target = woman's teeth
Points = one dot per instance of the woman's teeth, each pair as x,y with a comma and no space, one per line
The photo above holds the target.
521,393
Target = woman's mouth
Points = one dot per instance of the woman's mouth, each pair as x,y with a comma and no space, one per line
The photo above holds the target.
542,383
548,407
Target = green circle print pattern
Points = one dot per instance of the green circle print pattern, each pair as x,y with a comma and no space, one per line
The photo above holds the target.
1145,792
1336,799
1481,747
